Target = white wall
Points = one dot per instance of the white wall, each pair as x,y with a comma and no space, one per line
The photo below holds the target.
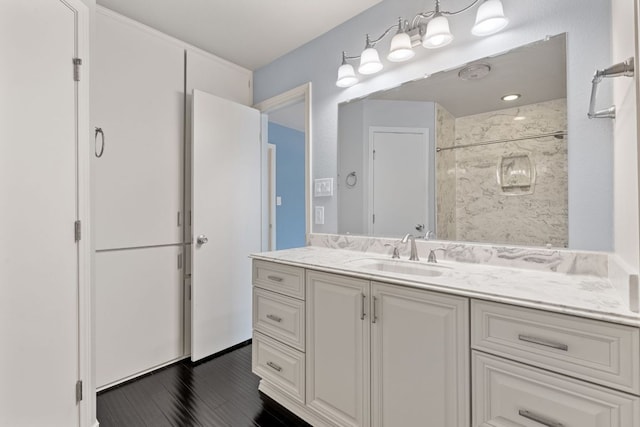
625,171
587,23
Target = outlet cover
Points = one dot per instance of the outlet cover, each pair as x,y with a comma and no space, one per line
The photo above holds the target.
323,187
319,215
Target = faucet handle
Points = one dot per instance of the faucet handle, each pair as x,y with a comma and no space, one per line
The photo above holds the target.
396,252
432,254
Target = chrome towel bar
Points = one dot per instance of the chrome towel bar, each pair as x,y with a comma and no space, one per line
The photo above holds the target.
625,68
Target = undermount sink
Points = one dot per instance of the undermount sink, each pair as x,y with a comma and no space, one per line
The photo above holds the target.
401,267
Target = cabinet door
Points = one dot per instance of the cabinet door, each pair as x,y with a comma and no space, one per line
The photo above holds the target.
509,393
338,348
138,101
420,358
139,315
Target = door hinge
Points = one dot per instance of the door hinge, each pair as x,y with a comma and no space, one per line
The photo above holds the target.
180,262
374,154
374,218
179,219
77,62
78,230
78,391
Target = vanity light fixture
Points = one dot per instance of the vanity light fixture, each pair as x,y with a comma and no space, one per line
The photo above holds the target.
429,28
511,97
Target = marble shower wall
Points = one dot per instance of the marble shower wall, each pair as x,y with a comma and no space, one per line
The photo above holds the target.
445,175
487,212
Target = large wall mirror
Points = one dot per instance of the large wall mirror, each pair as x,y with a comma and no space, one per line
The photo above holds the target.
455,155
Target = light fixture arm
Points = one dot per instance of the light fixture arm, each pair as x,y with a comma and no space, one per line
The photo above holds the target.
429,28
372,43
457,12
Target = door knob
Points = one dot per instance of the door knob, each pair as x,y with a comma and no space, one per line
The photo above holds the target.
202,239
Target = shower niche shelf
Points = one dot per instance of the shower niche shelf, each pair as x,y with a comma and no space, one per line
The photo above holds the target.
516,174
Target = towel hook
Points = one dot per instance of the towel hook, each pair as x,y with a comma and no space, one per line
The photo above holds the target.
351,180
101,133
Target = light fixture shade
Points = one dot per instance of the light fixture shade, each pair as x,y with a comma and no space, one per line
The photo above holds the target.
346,76
400,49
490,19
438,33
369,61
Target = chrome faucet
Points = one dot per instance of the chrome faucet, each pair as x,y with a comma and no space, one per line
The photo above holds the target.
414,250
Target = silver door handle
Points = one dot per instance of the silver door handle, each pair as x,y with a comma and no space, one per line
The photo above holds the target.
202,239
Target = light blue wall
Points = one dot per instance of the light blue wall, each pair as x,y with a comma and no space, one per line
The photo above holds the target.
587,23
290,219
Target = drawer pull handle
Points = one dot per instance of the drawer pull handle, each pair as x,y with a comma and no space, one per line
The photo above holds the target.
274,318
362,307
542,341
539,418
274,366
375,312
275,278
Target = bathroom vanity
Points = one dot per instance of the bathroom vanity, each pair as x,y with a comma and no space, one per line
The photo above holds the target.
352,338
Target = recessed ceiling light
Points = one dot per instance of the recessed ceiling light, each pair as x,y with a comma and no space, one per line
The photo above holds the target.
511,97
519,118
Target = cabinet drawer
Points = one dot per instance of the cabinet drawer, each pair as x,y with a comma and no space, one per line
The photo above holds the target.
281,366
279,317
600,352
279,278
511,394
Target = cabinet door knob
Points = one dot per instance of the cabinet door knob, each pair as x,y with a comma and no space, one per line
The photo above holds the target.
202,239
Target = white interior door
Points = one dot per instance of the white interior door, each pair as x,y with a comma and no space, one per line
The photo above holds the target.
398,185
226,201
40,131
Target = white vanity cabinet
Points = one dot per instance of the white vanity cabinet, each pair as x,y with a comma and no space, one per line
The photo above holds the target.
278,355
374,354
385,355
338,348
419,358
548,369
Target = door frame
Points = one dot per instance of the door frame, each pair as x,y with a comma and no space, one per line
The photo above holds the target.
368,172
292,96
271,196
86,406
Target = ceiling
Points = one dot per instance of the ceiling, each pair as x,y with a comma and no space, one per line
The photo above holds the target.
250,33
536,71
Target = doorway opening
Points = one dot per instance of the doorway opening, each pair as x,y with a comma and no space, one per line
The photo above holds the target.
286,137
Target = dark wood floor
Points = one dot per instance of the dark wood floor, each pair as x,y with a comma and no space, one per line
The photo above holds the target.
218,392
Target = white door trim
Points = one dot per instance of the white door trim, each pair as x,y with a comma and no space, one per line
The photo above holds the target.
302,92
271,194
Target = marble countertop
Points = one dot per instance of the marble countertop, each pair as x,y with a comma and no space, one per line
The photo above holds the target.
581,295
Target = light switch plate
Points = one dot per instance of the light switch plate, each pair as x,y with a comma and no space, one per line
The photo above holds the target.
278,201
323,187
319,215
